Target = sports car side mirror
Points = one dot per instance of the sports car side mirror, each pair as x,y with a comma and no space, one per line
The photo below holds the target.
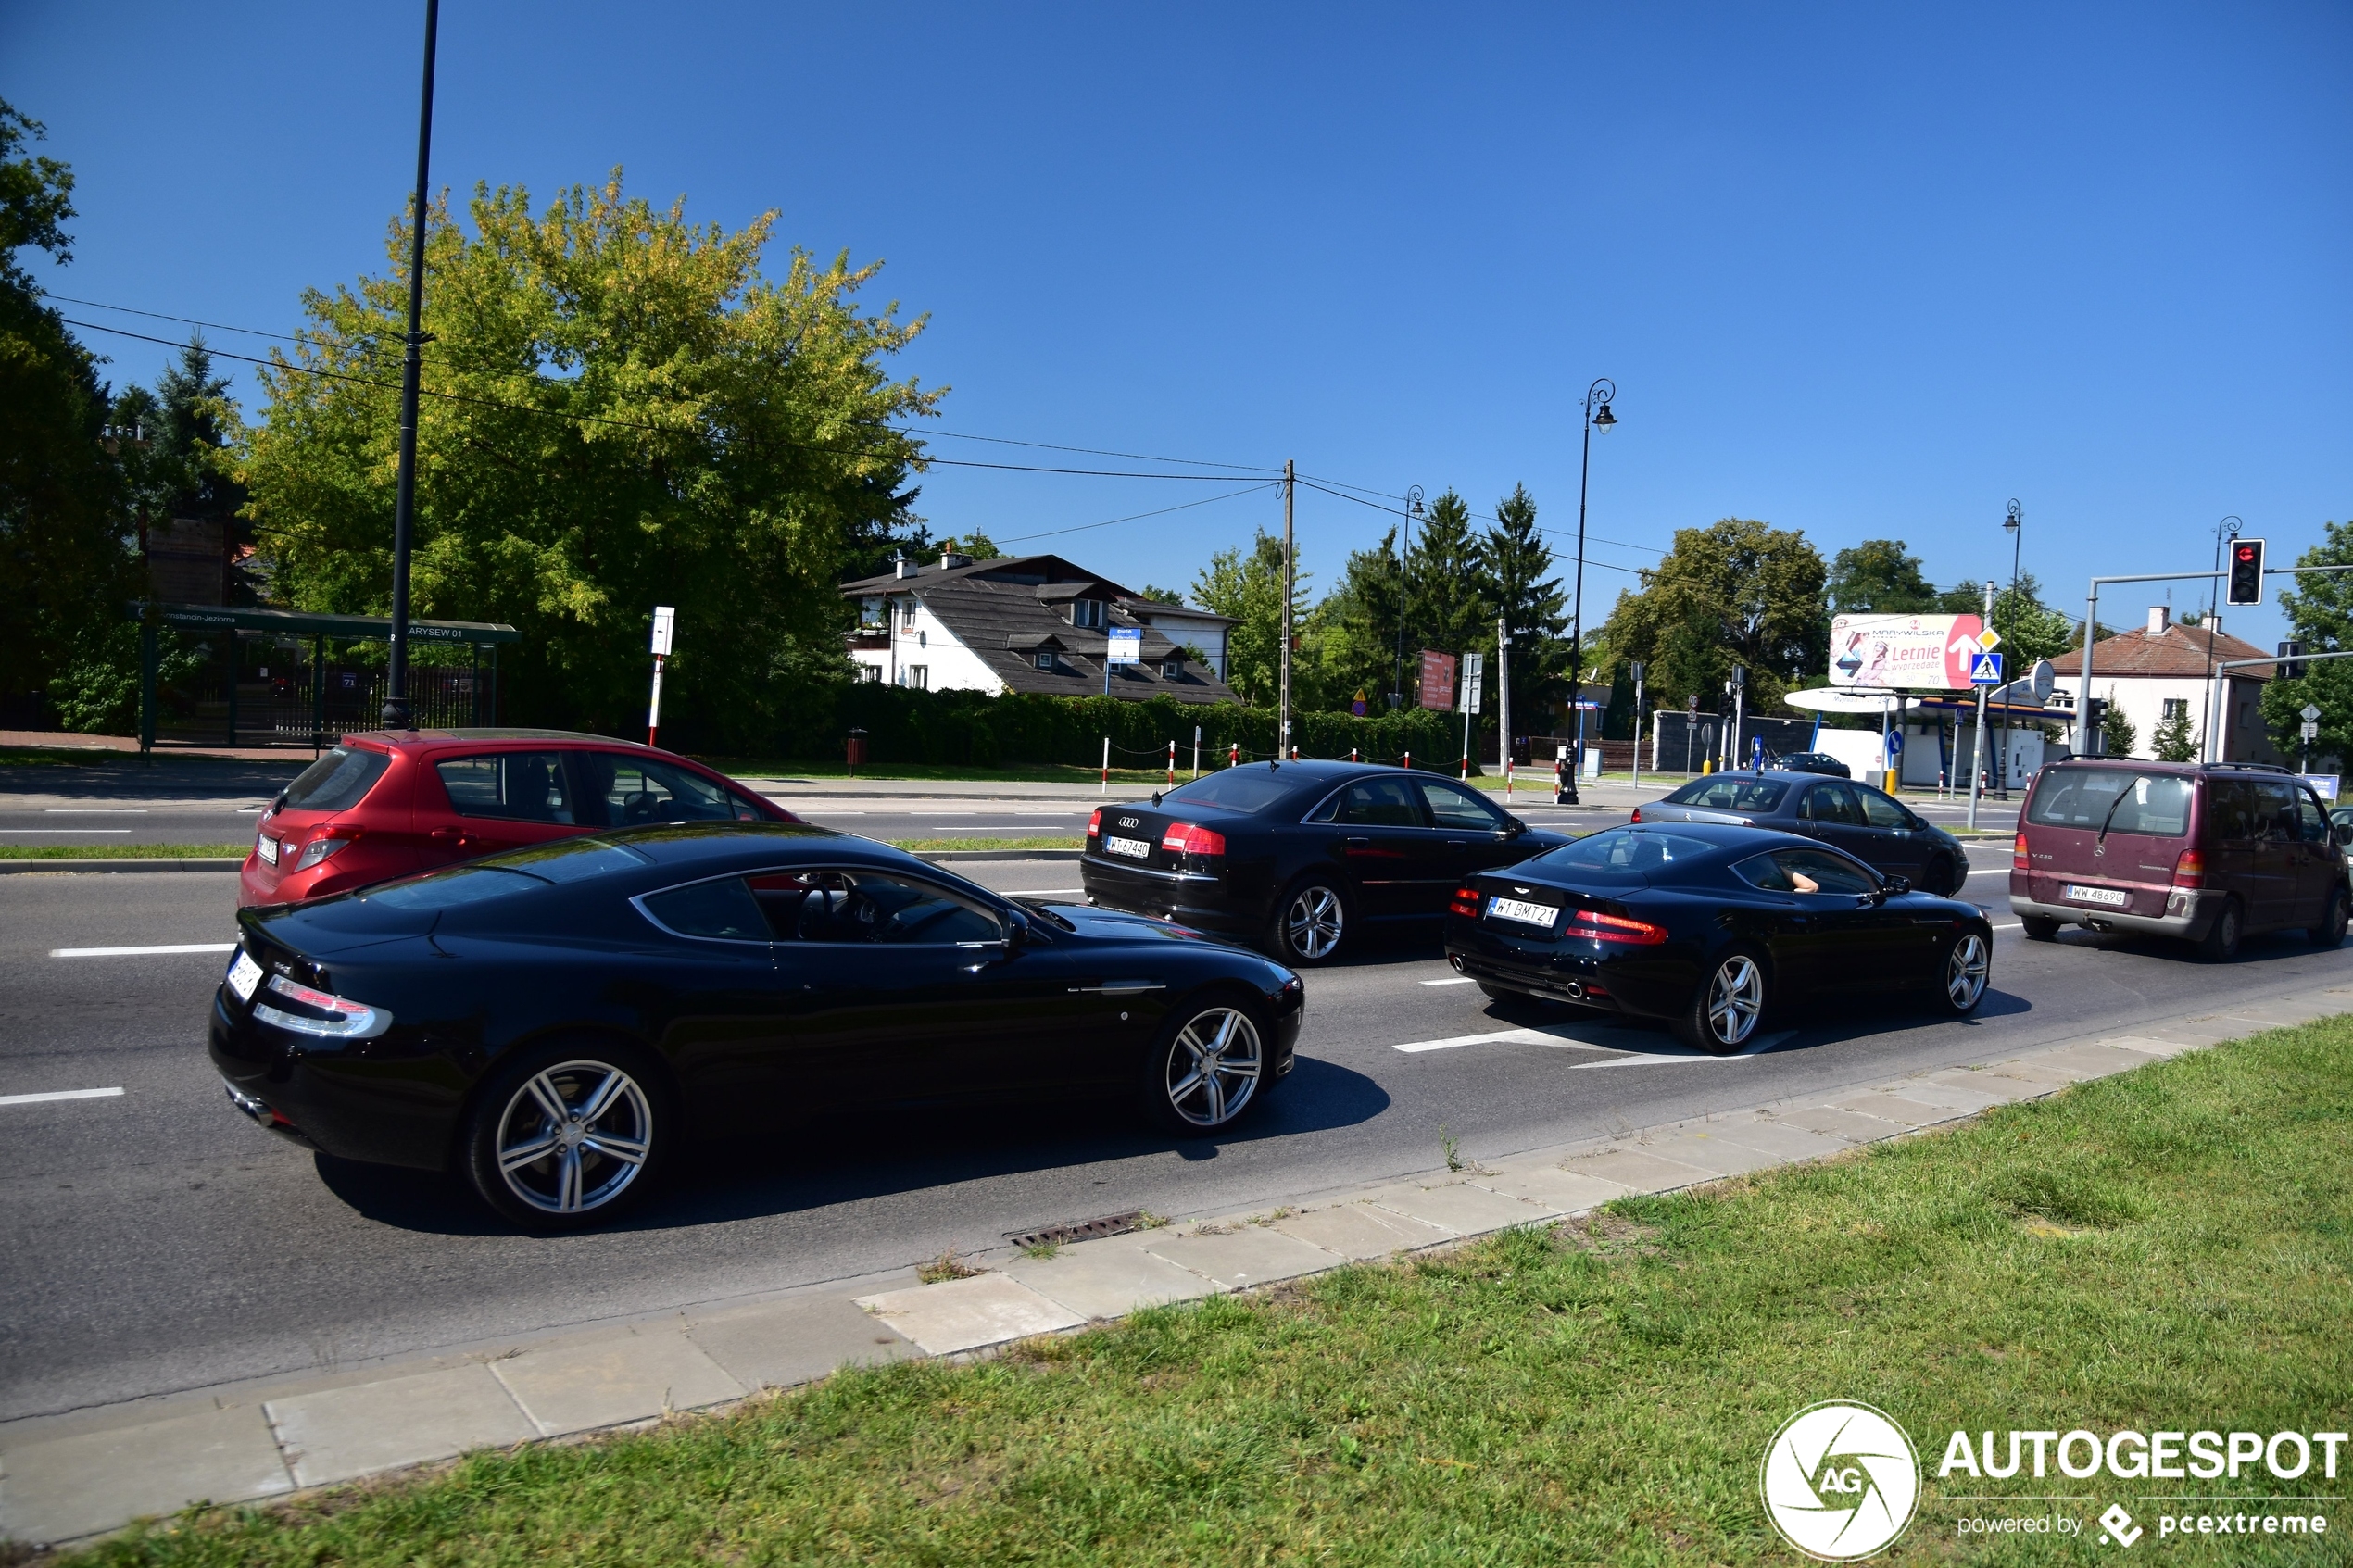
1896,886
1516,827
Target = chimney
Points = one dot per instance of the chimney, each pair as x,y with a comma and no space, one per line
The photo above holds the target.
2159,616
902,566
949,561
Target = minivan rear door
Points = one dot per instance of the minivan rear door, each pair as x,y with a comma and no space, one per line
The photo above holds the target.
2105,839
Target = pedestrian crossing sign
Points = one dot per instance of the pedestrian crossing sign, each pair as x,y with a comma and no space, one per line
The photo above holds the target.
1985,670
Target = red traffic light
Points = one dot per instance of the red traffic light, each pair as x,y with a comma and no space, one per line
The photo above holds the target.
2246,552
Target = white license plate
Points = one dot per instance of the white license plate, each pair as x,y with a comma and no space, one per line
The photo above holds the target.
1526,913
244,976
2113,897
268,847
1134,849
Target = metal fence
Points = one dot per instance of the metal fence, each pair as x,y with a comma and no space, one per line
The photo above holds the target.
266,694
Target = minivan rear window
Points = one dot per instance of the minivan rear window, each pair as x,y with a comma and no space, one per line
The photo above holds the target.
337,780
2118,799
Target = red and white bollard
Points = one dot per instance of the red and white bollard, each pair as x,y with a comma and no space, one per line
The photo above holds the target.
1351,754
1172,764
1407,763
1106,789
1234,754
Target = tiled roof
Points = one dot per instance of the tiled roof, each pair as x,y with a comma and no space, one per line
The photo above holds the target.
2177,651
1031,571
1004,623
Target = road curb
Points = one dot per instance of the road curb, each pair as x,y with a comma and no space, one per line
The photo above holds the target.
81,1474
173,863
950,857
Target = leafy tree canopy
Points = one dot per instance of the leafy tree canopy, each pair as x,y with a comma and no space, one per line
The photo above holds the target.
1162,596
1249,587
2320,615
620,411
1738,592
1879,577
1514,560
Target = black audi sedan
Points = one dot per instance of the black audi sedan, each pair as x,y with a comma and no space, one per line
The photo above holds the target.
1874,827
1300,856
1708,927
559,1022
1816,762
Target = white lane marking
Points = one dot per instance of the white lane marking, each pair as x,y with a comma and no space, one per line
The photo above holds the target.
1453,979
1513,1036
1035,892
1620,1056
2012,925
136,952
95,811
59,1094
79,832
1757,1046
1991,870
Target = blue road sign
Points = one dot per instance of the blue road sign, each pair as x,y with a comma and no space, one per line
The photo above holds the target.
1895,743
1985,670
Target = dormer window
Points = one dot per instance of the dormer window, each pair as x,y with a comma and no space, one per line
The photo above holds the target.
1089,614
1172,669
1046,658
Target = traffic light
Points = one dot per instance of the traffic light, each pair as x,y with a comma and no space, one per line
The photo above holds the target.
2291,668
2246,573
2094,736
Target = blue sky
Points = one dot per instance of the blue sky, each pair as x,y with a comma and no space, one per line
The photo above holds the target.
1864,270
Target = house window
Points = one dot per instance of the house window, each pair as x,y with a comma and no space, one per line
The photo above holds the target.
919,677
1172,669
1045,658
871,613
871,672
907,614
2177,708
1088,614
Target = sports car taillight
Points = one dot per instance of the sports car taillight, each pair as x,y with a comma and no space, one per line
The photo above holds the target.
1600,927
1185,838
1463,903
1095,823
2189,868
332,1017
2018,854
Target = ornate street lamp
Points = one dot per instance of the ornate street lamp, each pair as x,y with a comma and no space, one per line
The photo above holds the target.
2015,525
1597,417
404,507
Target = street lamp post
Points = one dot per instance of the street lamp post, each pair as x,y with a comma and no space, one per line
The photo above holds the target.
2015,525
1597,402
2227,529
1405,537
404,510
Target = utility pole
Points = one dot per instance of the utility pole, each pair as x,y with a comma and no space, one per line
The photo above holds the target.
1290,566
1404,539
1638,725
1503,699
404,510
2016,524
1977,751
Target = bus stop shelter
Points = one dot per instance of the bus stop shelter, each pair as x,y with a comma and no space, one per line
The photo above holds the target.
480,636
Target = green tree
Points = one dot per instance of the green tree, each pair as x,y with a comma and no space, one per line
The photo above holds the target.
1738,592
2175,738
2123,738
1353,631
66,564
1162,596
976,544
2320,615
1249,587
1878,577
622,409
1447,609
1512,559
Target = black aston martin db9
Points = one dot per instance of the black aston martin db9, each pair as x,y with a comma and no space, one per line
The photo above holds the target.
1707,926
1299,856
557,1021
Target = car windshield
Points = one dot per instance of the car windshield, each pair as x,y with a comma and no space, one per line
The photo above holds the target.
1730,792
1236,789
571,860
1620,854
337,780
2118,799
447,890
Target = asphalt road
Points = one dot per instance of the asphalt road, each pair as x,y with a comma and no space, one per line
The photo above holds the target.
154,1241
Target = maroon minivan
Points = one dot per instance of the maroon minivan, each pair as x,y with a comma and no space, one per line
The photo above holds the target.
2203,852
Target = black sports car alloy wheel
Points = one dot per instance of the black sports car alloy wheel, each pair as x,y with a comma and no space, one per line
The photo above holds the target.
564,1143
1968,965
1723,1013
1207,1070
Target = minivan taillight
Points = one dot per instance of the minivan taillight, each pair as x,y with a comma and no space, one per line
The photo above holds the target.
2189,868
2018,854
1185,838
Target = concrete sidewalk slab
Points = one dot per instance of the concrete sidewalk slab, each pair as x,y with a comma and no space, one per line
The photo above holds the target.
1996,1088
780,1344
1850,1127
1564,1191
1710,1151
1937,1089
1361,1231
340,1434
969,1314
2089,1061
1238,1260
56,1489
1777,1138
2047,1080
1108,1278
1904,1111
2149,1045
1465,1208
1637,1169
580,1385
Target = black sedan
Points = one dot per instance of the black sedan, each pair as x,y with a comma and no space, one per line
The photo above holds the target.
1816,762
559,1022
1300,855
1707,926
1874,827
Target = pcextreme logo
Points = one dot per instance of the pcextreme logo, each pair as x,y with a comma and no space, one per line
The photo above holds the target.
1840,1480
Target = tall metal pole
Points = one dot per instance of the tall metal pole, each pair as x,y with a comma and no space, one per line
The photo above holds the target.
1601,392
2015,523
1503,701
1977,751
1405,541
395,709
1290,566
2229,527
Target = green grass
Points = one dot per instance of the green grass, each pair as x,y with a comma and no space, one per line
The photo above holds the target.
988,843
1048,772
124,851
2167,1248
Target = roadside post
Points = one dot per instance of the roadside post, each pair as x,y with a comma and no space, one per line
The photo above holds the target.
2311,717
1474,669
1740,698
665,620
1106,786
1985,671
1172,764
1196,751
1504,700
1892,754
1638,723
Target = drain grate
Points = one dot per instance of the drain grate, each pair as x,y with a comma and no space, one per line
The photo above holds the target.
1081,1230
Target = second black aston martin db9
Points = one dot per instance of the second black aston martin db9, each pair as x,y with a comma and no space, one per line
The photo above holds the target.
1300,855
1706,926
557,1022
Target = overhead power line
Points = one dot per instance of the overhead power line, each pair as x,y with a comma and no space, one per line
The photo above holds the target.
1134,517
1399,511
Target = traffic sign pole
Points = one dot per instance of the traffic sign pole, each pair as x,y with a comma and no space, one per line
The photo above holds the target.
665,625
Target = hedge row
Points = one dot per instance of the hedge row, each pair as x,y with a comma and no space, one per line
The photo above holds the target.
975,729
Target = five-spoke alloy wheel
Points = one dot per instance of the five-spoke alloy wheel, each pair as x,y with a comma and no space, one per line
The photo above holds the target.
1969,964
1310,924
562,1138
1723,1012
1209,1067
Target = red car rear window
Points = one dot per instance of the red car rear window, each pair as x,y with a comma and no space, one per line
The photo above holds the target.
2114,799
338,780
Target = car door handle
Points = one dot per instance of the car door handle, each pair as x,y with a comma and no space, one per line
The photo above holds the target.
1458,844
1356,840
448,835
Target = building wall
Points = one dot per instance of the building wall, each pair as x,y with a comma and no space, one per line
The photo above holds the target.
2142,698
948,664
1182,628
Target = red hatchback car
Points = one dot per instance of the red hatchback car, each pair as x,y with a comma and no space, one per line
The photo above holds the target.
388,802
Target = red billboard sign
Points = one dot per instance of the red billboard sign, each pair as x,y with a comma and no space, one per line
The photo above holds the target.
1438,681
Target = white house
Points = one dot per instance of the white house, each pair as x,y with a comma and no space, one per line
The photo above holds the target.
1030,623
2166,669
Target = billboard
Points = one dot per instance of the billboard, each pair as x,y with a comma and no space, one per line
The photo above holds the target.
1437,680
1905,652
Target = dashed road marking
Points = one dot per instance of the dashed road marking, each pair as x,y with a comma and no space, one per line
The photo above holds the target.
138,952
59,1094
